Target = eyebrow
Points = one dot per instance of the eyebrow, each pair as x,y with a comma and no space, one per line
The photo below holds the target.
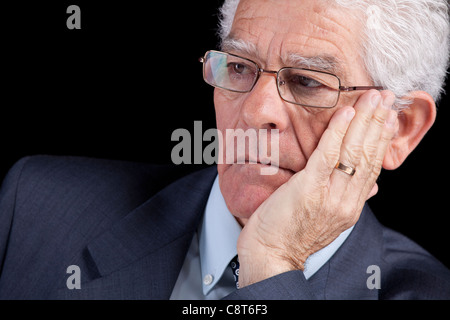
323,62
231,44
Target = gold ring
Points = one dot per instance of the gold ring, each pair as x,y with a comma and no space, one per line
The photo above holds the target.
346,169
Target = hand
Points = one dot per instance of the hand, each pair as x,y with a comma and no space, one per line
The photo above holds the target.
319,203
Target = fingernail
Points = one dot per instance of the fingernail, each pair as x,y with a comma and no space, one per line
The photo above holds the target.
388,101
376,98
392,118
350,114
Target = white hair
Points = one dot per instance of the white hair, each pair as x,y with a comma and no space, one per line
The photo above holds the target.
405,43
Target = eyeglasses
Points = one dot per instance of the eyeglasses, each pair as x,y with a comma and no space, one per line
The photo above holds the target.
300,86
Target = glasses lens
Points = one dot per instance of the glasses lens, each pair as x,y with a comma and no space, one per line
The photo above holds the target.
308,88
229,72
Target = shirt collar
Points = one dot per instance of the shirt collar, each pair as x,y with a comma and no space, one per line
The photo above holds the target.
218,237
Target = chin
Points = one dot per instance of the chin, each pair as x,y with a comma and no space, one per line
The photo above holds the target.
245,189
244,200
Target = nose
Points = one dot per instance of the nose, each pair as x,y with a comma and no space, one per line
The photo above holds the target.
263,107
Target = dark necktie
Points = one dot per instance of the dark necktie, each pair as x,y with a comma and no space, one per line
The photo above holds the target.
234,264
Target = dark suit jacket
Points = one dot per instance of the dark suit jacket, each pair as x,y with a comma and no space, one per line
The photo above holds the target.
128,230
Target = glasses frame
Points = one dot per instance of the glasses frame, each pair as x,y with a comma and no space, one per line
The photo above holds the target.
276,74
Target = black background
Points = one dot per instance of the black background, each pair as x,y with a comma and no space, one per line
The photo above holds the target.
118,88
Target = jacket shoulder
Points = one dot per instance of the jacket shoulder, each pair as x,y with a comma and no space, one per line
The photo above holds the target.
52,207
79,170
55,180
75,189
412,272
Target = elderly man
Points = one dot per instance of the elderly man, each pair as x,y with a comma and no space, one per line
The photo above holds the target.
348,87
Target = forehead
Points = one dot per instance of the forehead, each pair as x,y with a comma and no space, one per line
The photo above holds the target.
280,29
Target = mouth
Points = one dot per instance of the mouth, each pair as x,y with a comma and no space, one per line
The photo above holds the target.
265,162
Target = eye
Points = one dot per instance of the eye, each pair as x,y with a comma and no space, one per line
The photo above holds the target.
238,68
305,82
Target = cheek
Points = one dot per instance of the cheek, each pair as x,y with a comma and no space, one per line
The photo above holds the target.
309,125
219,106
227,106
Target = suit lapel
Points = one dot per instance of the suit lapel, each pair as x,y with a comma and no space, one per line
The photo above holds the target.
140,256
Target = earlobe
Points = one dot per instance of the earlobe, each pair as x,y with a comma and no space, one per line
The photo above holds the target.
413,123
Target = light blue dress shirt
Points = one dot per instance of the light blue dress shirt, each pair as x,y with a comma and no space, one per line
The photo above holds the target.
205,274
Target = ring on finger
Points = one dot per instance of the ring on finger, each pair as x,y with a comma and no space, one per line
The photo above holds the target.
344,168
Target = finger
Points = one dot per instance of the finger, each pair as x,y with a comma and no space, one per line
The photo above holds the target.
389,129
373,136
365,107
373,192
353,144
375,144
322,161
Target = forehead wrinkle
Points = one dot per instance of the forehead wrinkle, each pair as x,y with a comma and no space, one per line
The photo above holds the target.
332,24
335,23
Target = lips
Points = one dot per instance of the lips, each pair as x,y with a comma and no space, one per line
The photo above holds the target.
263,161
263,151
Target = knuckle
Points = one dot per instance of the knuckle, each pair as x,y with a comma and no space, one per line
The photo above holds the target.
330,157
387,135
370,152
376,168
354,152
366,119
337,133
379,119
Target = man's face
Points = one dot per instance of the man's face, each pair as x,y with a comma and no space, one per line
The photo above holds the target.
275,30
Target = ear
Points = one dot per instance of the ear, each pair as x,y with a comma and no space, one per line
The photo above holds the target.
413,123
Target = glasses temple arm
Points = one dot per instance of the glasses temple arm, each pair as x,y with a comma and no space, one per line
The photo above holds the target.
342,88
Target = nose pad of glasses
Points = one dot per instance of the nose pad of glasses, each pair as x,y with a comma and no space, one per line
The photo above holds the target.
281,82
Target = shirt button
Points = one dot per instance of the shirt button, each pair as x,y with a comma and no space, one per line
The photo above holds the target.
208,279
